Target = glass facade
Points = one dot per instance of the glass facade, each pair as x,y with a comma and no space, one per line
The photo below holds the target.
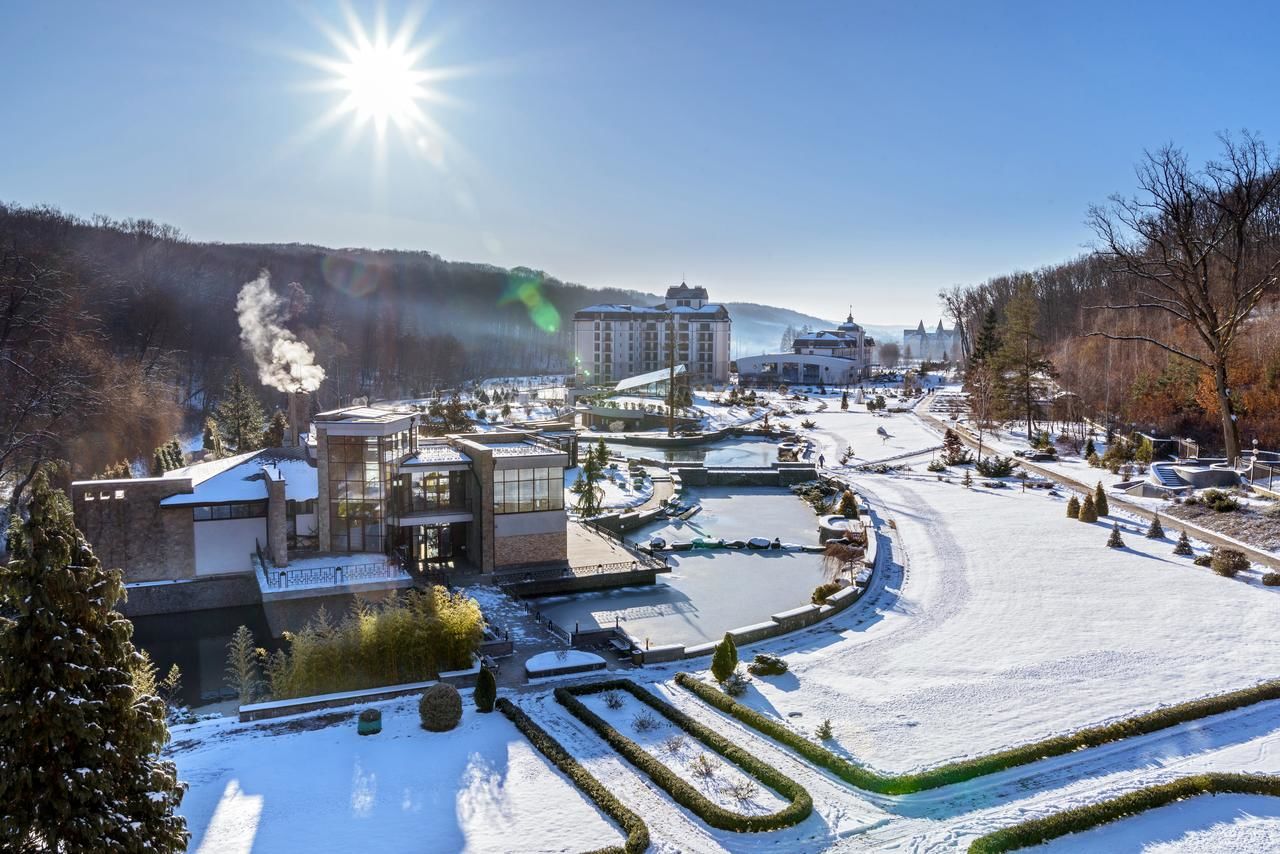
431,492
242,510
361,468
527,490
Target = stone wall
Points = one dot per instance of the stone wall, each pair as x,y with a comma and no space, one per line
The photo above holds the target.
130,531
530,549
219,591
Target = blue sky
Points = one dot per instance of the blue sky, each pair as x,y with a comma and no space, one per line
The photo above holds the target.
809,155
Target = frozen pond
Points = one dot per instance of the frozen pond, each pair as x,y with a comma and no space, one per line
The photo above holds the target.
709,592
726,453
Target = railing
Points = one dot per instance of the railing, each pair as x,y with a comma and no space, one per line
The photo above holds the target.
641,562
330,576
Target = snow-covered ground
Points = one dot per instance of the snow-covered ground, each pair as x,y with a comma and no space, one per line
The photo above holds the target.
1210,823
618,490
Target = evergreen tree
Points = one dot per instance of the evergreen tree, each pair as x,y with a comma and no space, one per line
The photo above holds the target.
486,691
725,660
1183,546
1100,501
848,505
1088,512
844,401
80,765
1114,540
273,436
242,666
1089,449
239,416
988,341
1073,508
1145,452
213,439
1021,358
953,452
968,478
159,463
1156,530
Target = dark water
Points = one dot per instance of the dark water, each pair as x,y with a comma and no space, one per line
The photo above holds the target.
197,641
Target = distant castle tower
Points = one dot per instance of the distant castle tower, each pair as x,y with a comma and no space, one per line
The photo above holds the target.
941,345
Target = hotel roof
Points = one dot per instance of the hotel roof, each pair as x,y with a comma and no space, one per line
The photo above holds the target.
245,479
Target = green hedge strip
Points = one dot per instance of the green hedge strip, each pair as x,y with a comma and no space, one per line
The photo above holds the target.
798,808
637,840
1039,830
968,769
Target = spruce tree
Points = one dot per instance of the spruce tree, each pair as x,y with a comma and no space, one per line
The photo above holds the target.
213,439
725,659
1088,512
844,401
80,766
1156,530
1183,546
848,505
953,452
273,436
1073,508
176,458
1100,501
968,478
1114,540
486,692
1089,449
239,416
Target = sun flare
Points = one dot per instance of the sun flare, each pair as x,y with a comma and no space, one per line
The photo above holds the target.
381,84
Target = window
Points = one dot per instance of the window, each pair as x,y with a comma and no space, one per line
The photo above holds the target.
430,492
528,490
239,510
358,467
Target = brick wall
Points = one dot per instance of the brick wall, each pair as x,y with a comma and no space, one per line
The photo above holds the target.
530,549
133,532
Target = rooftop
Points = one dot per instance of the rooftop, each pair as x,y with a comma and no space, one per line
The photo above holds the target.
522,449
243,478
436,454
361,415
646,379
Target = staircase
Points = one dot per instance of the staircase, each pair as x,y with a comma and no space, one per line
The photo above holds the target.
1166,476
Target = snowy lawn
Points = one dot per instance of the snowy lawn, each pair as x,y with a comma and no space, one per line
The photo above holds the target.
1014,624
836,430
278,786
617,488
722,782
1207,823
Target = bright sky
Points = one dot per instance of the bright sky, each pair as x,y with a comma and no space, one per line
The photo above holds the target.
799,154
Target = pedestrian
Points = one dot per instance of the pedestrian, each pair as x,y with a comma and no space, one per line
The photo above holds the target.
822,461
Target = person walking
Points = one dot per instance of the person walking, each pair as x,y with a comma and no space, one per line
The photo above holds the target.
822,461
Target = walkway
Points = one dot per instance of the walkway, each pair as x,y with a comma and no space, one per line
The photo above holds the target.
590,548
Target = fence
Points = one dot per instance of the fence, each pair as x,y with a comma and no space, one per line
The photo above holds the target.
638,563
330,576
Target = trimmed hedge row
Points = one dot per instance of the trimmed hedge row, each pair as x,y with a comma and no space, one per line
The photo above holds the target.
1074,820
968,769
637,840
799,805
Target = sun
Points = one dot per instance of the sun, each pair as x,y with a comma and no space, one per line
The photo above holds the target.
382,84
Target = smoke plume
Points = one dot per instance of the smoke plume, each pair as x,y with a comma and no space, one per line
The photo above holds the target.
284,362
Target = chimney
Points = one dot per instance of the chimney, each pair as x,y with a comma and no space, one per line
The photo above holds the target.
297,416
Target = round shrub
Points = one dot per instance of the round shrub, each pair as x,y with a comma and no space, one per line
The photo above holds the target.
1202,560
1228,562
822,591
767,665
370,716
1271,579
440,708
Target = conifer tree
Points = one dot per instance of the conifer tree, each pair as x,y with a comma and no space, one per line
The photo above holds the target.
1088,512
1089,449
844,401
848,505
968,478
486,691
1155,531
1073,508
239,416
176,458
725,659
159,465
277,427
1183,546
80,765
1100,501
953,452
1114,540
242,666
213,439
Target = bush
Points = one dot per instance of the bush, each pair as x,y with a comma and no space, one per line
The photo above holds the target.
1271,579
1100,501
1203,560
1183,546
823,591
486,691
799,803
1088,512
848,505
637,833
1073,508
824,730
725,659
767,665
440,708
936,466
735,685
995,466
370,716
644,722
1216,499
613,700
1228,562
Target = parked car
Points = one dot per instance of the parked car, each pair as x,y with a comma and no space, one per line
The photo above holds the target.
1041,456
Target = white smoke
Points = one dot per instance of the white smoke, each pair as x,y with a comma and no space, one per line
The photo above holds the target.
284,362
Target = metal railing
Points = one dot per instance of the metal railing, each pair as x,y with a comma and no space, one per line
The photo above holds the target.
330,576
641,562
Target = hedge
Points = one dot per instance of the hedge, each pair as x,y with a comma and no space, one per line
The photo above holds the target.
1077,819
799,805
968,769
637,840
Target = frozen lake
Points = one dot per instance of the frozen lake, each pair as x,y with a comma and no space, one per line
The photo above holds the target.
726,453
709,592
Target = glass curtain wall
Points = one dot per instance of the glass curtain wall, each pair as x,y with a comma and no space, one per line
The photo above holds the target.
361,469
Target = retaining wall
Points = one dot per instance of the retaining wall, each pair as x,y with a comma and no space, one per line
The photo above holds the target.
198,594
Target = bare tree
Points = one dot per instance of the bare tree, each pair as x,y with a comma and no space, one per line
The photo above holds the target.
890,353
1200,245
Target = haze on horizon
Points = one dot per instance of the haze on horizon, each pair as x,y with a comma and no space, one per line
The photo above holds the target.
811,156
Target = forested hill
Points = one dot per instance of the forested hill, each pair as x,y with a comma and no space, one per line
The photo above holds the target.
381,323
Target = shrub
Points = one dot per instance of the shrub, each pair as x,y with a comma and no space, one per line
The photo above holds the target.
1203,560
767,665
704,767
848,505
968,478
1183,546
743,791
637,840
824,730
1155,531
644,722
725,659
613,700
486,691
1088,512
675,744
735,685
1100,501
1216,499
799,804
440,708
370,715
936,466
1228,562
1073,508
823,591
995,466
1271,579
1114,540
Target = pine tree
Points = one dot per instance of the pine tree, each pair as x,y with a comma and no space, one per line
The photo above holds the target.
968,478
953,452
79,744
1183,546
988,341
1100,501
239,416
486,691
844,401
1088,512
1114,540
1155,531
848,505
273,436
1073,508
213,439
159,465
1089,449
725,660
242,666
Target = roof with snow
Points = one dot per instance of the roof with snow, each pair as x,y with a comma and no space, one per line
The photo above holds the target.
243,478
648,379
436,454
